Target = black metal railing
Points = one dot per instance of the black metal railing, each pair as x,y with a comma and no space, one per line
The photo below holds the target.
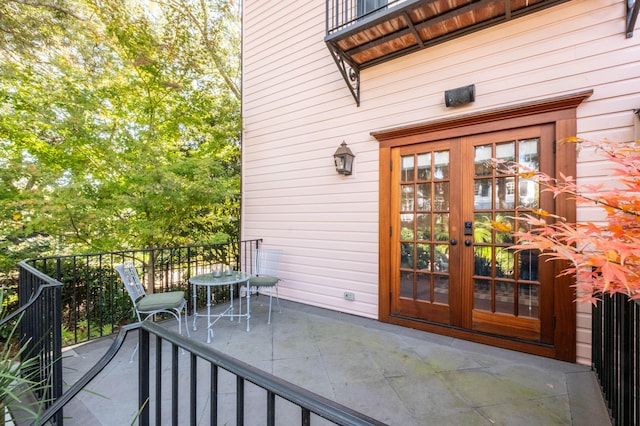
616,356
93,299
154,388
40,336
341,14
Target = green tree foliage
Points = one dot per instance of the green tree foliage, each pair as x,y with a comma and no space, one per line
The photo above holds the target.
119,125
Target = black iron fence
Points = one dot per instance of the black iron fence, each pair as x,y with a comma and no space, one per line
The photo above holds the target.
616,356
161,356
39,337
94,301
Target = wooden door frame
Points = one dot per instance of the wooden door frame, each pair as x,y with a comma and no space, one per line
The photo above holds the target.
559,111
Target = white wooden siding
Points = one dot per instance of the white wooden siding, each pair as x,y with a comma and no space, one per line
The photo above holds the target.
297,110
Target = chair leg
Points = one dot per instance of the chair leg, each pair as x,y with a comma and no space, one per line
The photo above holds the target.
270,297
278,299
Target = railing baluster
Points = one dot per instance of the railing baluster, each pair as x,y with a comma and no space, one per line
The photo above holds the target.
158,397
271,408
213,408
194,390
143,377
239,401
174,384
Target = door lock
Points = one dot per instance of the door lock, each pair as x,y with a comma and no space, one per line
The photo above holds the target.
468,228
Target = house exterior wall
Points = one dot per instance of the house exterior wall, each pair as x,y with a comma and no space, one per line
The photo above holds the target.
297,110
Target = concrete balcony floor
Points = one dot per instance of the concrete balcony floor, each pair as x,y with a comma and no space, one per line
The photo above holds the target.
396,375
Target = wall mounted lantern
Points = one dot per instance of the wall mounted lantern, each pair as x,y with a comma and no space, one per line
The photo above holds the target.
343,158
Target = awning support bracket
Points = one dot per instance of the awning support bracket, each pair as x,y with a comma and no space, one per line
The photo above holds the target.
632,16
350,72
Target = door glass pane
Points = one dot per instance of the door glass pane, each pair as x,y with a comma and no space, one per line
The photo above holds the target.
482,231
482,160
441,258
424,257
528,265
441,165
505,298
528,300
505,262
406,226
406,255
482,261
482,295
424,287
506,152
528,154
482,194
424,166
505,193
441,290
407,198
423,196
406,284
528,194
441,227
506,219
441,196
423,226
406,173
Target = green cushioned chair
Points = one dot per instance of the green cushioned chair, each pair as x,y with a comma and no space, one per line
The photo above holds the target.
170,302
265,272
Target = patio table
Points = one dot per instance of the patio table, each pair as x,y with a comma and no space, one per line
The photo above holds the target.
209,280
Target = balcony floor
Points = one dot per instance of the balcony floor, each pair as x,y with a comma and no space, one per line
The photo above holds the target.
397,375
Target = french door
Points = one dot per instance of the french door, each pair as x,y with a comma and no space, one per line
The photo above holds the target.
448,265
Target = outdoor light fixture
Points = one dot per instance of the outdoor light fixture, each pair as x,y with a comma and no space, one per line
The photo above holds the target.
460,96
343,159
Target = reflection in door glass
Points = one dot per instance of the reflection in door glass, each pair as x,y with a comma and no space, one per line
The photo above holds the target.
441,258
528,265
482,160
504,298
423,226
424,287
482,194
441,289
505,152
424,257
505,262
441,196
423,196
441,227
406,173
407,197
528,194
406,255
441,165
505,193
482,231
424,166
528,154
482,295
482,256
528,300
406,226
406,284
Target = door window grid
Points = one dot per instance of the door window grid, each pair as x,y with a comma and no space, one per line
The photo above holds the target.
424,225
504,282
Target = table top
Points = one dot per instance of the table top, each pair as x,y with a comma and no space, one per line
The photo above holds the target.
209,279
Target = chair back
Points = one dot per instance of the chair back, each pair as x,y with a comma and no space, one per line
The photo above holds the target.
267,262
131,280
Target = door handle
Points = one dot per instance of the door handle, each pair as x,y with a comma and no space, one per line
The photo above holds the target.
453,242
467,243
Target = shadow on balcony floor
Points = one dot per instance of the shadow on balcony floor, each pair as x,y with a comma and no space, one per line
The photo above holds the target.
394,374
